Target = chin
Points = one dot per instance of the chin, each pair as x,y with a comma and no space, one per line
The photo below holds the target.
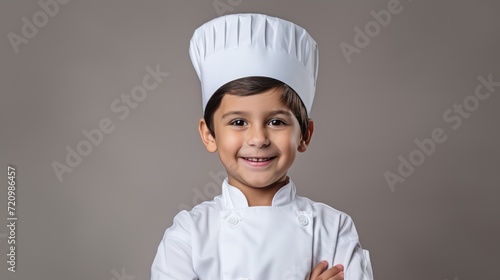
261,184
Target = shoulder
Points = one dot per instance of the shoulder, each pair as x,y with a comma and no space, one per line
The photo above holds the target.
186,220
320,208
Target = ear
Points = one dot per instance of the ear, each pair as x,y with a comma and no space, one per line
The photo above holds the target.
207,137
304,142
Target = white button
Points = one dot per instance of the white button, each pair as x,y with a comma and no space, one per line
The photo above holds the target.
232,221
303,220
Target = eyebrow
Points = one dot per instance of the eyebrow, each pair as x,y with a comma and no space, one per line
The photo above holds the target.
239,113
272,113
280,112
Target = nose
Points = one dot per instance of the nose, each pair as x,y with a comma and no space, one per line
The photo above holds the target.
257,137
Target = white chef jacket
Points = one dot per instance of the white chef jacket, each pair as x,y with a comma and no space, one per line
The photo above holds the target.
224,239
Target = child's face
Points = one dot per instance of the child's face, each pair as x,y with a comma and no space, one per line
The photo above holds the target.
256,137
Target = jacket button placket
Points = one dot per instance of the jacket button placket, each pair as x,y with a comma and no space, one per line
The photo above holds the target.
303,220
232,221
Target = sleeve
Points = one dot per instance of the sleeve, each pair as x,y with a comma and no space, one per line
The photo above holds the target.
356,261
348,252
173,260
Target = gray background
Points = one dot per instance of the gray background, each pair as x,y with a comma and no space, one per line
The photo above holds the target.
106,218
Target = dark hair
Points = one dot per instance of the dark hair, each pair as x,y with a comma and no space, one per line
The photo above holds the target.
255,85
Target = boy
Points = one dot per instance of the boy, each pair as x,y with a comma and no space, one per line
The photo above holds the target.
258,76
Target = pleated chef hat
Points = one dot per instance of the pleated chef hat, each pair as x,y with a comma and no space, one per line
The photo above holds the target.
242,45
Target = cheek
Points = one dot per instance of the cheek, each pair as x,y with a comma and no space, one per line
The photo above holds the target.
288,144
229,142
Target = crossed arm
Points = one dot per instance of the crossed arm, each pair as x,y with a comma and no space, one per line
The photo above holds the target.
321,272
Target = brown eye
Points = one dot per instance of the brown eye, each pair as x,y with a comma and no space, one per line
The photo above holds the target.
276,122
238,122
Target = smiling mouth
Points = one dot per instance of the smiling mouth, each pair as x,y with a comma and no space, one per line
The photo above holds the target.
258,159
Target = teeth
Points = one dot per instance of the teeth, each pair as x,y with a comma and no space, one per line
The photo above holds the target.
258,159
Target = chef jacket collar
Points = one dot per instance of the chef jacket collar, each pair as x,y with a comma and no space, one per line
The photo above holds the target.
234,198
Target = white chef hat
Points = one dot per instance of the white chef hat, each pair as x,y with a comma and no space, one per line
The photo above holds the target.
243,45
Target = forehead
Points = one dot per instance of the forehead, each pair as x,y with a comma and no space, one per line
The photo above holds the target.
267,100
